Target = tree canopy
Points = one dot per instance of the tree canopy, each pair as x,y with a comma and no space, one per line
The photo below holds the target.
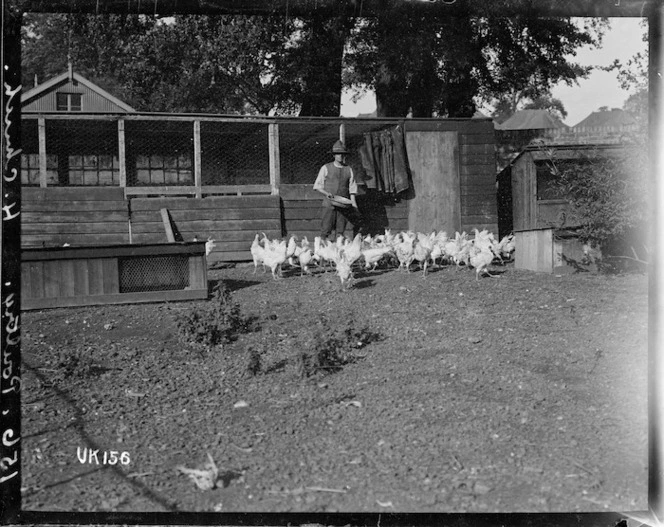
281,65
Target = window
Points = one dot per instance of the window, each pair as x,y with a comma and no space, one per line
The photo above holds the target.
30,169
68,102
97,170
164,170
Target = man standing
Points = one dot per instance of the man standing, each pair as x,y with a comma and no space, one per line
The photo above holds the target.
337,179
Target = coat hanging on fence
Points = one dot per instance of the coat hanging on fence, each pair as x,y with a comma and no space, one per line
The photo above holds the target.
385,161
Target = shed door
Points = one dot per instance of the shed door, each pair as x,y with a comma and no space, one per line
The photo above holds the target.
434,163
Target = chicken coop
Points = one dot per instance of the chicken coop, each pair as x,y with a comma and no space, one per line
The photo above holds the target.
112,179
90,179
531,204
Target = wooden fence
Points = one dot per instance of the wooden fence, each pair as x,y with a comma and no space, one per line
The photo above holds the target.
259,180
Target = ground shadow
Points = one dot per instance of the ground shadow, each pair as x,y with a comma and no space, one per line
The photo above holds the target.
233,285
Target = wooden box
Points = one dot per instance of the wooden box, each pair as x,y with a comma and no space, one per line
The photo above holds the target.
113,274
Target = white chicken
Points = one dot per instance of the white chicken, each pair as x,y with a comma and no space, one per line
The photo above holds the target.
352,251
457,250
344,271
505,247
257,253
274,255
305,257
422,251
328,252
373,255
481,256
209,246
438,250
405,249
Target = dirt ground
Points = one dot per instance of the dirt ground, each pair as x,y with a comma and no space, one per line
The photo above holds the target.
522,392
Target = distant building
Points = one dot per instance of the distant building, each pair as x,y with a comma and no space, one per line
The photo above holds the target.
616,118
531,120
70,92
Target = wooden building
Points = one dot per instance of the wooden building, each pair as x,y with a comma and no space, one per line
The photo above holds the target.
70,92
106,179
531,205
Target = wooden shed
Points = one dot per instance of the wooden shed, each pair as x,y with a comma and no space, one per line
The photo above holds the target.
70,92
230,177
531,206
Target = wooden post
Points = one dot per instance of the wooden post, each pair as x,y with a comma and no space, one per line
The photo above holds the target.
122,157
197,159
275,164
41,127
342,133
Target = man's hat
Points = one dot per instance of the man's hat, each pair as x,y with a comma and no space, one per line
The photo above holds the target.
339,148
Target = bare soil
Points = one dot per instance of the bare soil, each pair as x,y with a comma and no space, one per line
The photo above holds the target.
522,392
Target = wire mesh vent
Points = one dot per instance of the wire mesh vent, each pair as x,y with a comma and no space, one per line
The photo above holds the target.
153,273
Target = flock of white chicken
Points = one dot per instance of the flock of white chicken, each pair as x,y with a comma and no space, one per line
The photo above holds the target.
367,251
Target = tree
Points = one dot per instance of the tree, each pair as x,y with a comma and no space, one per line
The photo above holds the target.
439,66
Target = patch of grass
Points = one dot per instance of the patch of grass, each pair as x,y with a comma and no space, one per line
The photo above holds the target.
215,323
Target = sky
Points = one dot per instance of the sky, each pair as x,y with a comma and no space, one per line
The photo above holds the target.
601,88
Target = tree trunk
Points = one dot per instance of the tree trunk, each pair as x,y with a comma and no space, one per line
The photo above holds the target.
323,66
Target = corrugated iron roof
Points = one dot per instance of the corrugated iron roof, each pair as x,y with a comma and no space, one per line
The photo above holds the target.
531,120
43,88
607,118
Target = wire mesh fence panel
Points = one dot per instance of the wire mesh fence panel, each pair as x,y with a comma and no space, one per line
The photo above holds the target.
159,153
303,148
82,153
153,273
234,153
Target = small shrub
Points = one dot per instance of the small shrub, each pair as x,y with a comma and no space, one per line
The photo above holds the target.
328,349
254,364
217,322
75,362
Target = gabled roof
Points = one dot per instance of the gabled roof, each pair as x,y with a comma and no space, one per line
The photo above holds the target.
615,117
531,120
43,88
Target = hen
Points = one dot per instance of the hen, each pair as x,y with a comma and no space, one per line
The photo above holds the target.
505,247
405,250
274,256
422,251
353,250
373,255
480,258
257,253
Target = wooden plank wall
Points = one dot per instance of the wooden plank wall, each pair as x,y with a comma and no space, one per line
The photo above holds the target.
434,163
534,250
232,221
477,168
74,215
302,212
